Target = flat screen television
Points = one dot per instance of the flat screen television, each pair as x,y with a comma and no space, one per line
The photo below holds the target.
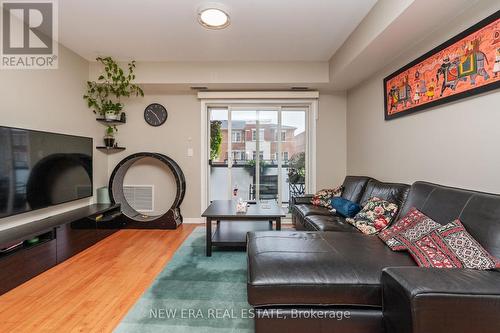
41,169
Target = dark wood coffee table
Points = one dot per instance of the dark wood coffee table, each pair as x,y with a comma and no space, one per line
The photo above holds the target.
232,227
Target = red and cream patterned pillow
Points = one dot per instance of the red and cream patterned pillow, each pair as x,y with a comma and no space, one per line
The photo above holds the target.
451,246
413,226
323,197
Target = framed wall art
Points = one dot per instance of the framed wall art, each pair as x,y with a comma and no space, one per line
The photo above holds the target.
466,65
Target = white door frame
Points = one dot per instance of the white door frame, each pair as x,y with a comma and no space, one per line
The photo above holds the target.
311,105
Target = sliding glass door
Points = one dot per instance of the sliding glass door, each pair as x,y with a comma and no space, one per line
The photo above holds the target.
257,153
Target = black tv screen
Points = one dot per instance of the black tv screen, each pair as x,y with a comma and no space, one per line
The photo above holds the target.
41,169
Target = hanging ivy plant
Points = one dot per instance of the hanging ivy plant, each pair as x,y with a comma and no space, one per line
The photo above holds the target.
104,94
215,139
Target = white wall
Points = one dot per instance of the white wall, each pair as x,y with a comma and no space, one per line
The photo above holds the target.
51,100
181,130
331,140
232,73
454,144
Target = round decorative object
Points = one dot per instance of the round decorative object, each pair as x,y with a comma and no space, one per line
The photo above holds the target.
155,114
172,218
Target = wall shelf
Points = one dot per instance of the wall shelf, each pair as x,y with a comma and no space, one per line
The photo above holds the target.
107,122
110,149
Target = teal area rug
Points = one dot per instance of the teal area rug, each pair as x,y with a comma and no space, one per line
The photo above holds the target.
195,293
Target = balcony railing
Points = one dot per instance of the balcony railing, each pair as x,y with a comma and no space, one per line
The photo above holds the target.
245,183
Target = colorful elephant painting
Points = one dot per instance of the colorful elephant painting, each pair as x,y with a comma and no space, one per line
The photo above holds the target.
470,65
400,95
467,64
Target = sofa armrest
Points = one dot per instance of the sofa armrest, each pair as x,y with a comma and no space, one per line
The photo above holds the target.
422,300
305,199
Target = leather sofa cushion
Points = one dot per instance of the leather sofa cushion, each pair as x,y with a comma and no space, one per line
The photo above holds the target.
329,223
479,212
307,209
317,268
305,320
441,300
353,189
354,186
392,192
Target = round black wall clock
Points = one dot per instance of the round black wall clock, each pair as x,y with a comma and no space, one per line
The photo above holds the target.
155,114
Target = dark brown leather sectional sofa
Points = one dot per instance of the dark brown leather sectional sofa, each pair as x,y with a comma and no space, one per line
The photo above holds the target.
329,277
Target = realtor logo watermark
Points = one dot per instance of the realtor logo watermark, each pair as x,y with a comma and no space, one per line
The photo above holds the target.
29,34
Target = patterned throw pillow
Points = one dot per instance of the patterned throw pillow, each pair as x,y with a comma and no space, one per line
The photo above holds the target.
375,216
413,226
323,198
451,246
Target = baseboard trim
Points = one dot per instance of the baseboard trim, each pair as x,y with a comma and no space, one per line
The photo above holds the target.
193,220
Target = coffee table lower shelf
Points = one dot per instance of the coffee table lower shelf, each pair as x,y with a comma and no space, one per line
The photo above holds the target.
234,233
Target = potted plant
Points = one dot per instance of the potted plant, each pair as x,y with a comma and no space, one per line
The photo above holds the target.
112,110
250,166
109,138
104,95
297,168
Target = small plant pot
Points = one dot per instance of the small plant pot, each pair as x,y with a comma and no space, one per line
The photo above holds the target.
111,115
109,141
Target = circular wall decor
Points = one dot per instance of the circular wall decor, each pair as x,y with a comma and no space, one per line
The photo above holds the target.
172,218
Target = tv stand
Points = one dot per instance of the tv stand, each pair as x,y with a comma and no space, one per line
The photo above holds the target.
33,248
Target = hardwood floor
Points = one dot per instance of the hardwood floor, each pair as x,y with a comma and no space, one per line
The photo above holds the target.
92,291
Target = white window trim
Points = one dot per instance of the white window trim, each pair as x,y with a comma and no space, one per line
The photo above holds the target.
261,134
234,132
287,157
285,99
240,153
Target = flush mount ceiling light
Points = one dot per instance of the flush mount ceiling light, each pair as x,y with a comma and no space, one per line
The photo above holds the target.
213,18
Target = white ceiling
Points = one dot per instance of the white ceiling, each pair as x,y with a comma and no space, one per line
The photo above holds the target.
167,30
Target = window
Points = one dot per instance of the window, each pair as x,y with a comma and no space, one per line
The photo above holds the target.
237,136
284,156
266,131
239,155
261,155
261,134
275,135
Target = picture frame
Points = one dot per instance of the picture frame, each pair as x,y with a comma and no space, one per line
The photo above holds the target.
465,65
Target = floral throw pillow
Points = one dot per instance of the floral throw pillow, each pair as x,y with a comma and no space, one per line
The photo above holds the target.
413,226
375,216
323,198
451,246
